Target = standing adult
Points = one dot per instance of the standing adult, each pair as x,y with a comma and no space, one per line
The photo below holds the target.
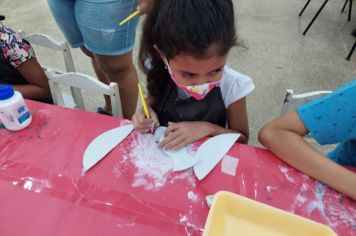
93,26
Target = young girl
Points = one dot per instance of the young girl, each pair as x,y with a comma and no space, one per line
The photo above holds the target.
184,48
20,68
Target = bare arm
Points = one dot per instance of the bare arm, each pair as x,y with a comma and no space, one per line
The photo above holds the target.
237,121
180,134
284,137
38,87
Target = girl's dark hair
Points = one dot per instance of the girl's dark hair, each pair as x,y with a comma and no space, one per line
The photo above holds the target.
183,26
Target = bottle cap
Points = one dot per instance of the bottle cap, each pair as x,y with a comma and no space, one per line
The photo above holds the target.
6,92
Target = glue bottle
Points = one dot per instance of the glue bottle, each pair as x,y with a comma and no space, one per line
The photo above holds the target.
14,113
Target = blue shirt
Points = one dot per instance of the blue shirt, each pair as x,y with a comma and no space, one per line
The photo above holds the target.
332,119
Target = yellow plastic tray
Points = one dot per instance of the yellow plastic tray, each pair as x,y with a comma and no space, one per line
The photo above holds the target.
231,214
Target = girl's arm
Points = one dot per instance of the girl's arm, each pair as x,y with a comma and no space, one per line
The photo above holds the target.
38,87
182,133
237,121
284,137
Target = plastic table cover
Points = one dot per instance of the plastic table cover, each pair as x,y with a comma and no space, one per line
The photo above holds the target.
133,191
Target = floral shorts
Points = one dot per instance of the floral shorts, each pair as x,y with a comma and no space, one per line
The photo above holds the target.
13,49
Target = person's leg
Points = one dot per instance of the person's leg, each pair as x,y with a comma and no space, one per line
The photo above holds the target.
101,76
120,69
111,45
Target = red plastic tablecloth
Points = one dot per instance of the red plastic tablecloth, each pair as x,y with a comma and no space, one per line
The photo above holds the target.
43,190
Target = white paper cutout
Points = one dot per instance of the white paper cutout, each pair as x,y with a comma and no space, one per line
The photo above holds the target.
211,152
103,144
159,133
182,159
229,165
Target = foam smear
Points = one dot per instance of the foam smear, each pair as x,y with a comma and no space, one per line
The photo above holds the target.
153,166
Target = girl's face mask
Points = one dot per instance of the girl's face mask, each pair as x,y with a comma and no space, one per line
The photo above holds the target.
196,91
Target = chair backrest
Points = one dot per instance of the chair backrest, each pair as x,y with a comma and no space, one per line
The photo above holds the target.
81,81
48,42
298,99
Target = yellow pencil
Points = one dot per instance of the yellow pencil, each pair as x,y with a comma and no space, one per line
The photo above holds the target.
145,108
130,17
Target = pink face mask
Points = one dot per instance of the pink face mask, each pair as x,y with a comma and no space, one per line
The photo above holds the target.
196,91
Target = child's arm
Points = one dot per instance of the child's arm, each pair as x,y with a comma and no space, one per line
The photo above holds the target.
284,137
37,87
182,133
237,119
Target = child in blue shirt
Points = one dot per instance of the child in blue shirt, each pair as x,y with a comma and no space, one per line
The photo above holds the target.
330,119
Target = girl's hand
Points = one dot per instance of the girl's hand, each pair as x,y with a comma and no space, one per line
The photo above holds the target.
142,124
144,6
183,133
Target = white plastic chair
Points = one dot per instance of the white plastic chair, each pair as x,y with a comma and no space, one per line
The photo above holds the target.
292,99
81,81
43,40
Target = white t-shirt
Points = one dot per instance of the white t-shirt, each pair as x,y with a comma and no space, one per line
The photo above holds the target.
234,86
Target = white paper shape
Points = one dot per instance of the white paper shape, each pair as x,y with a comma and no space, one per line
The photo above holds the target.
103,144
182,159
159,133
229,165
211,152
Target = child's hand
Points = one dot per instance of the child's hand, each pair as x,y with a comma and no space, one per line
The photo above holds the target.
142,124
183,133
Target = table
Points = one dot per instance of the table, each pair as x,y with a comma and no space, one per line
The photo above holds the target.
43,190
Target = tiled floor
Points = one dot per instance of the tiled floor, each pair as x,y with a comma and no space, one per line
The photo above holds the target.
273,51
